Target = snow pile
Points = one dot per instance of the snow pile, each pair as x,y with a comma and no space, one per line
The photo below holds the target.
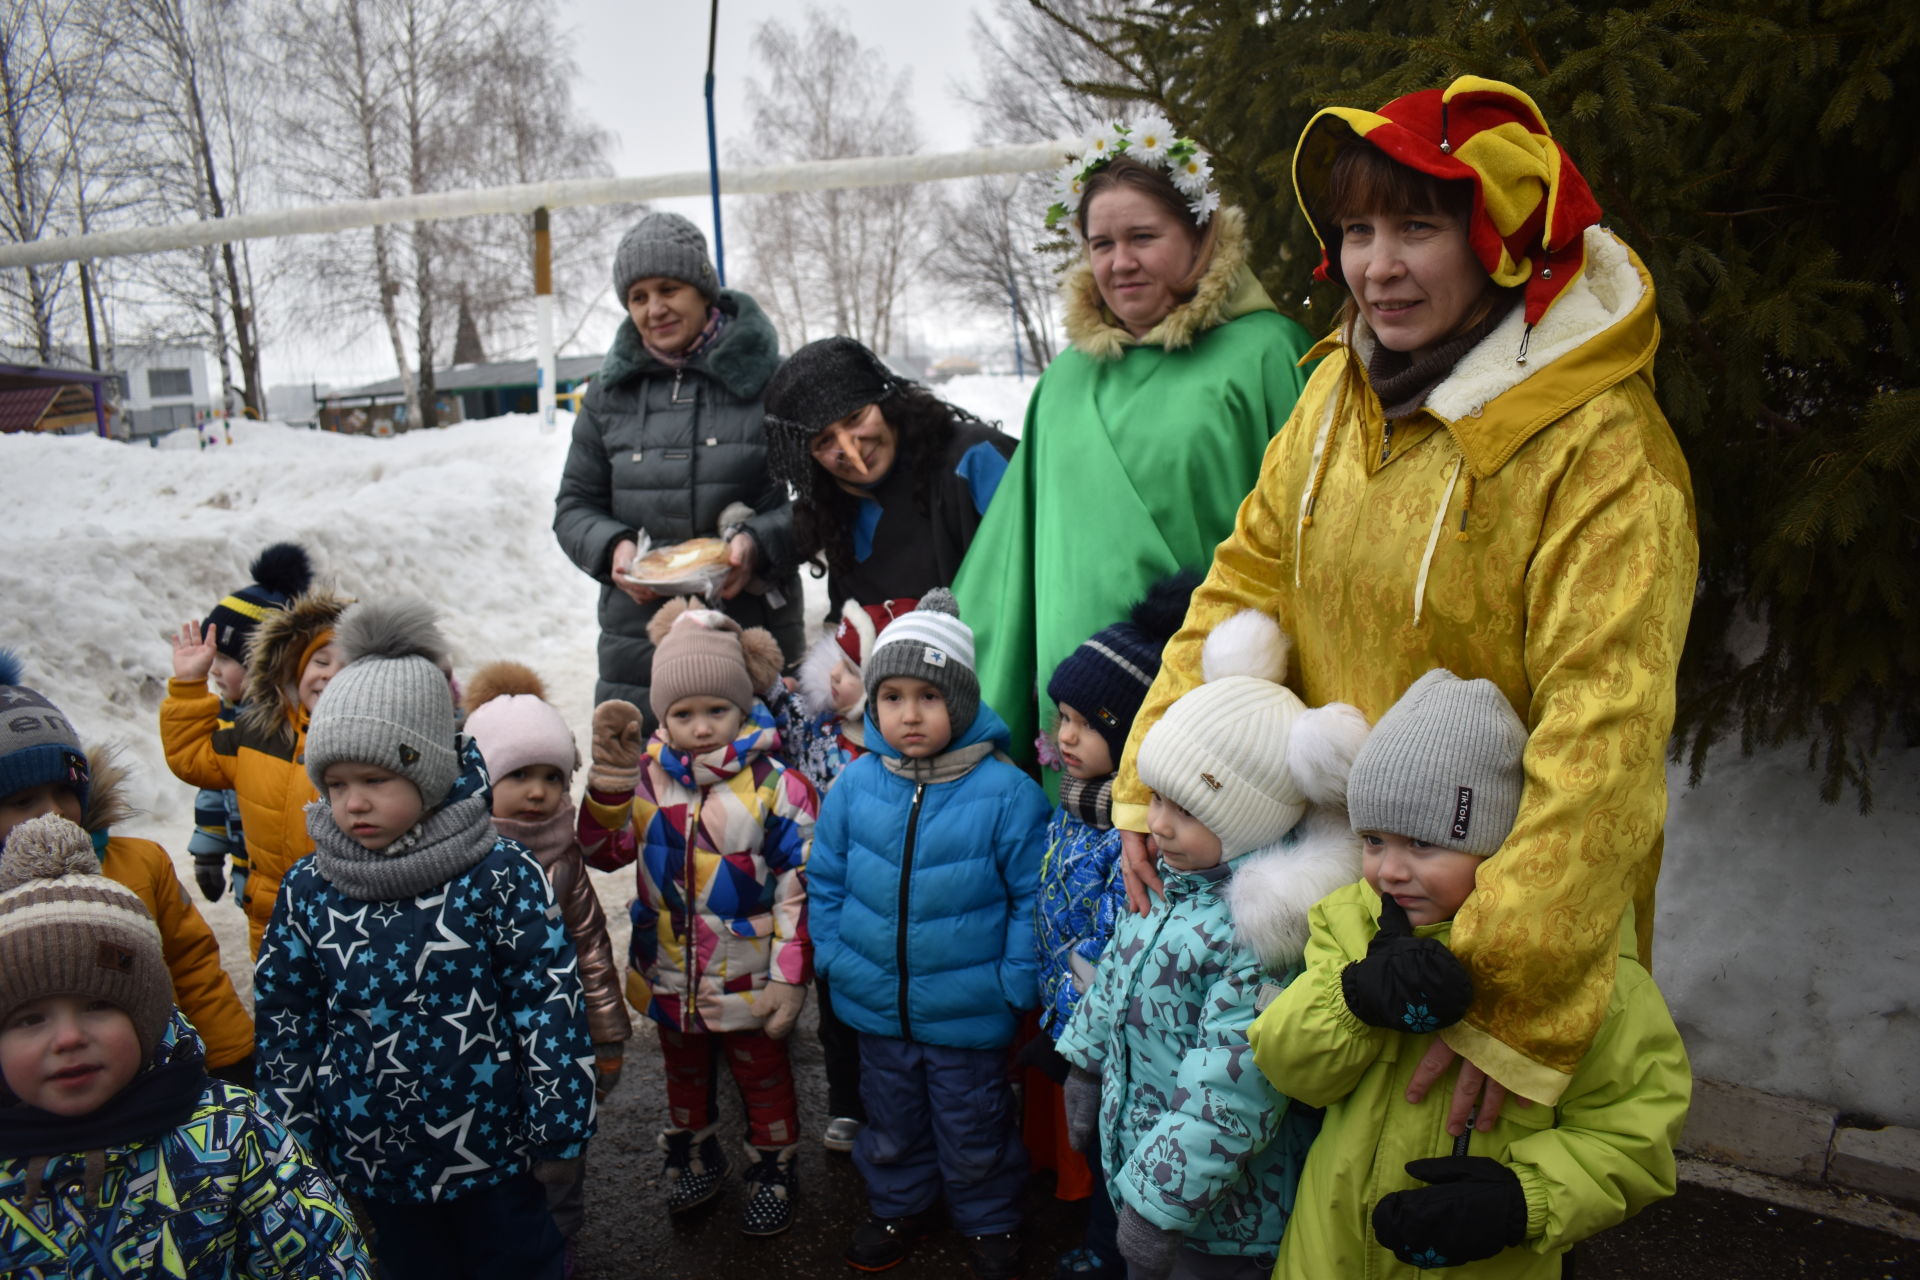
1783,940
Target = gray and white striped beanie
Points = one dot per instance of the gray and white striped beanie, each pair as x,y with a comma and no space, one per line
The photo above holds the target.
67,930
930,643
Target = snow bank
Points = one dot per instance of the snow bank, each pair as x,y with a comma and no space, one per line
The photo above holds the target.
1783,943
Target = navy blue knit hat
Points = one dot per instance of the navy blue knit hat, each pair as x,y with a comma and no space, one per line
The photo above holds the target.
280,573
37,743
1107,678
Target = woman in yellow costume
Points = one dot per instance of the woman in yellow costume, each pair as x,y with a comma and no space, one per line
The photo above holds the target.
1478,477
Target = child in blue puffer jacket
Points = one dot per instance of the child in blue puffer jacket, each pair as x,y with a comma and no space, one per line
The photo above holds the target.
921,887
1200,1152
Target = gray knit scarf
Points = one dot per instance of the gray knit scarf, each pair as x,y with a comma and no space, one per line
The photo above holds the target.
944,767
1090,802
447,842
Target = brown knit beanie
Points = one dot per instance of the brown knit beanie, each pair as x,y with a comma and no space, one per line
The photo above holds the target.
698,653
65,929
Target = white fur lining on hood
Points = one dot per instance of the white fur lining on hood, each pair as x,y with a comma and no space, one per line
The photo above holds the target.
815,676
1272,889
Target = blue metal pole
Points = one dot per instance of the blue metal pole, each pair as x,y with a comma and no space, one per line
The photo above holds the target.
713,150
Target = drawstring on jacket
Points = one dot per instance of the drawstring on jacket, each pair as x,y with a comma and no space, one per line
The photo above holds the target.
1433,538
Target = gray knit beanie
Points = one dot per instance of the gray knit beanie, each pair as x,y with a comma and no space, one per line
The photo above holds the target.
663,244
67,930
1443,766
390,705
930,643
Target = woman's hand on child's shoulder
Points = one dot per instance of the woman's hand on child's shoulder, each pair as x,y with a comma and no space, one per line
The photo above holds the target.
193,651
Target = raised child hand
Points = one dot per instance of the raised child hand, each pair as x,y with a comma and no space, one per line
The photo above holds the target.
1406,983
193,652
616,747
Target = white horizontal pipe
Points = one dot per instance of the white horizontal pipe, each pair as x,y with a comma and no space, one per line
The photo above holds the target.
523,198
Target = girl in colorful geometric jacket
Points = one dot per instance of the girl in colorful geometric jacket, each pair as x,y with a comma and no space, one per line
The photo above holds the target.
1201,1152
419,1005
720,953
119,1155
1434,793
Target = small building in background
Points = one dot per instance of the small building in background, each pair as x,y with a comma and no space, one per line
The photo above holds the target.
163,388
53,399
463,393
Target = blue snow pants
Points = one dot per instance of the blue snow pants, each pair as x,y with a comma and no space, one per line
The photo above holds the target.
940,1119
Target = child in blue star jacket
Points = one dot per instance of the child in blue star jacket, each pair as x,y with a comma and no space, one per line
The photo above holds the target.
419,1004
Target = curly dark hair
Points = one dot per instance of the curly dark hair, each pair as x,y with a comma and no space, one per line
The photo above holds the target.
823,512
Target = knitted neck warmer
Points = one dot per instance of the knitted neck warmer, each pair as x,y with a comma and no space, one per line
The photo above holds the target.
944,767
717,764
716,321
159,1099
447,842
1089,801
547,839
1402,382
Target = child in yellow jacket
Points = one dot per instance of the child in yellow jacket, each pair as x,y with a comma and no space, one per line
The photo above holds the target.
289,661
1433,792
43,769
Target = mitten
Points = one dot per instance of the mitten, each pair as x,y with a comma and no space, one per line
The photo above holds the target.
1150,1251
556,1173
210,873
1082,1095
1406,983
1040,1054
1474,1209
608,1060
616,748
779,1004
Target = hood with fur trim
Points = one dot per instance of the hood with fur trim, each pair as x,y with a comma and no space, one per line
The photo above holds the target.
1272,889
272,700
741,359
1227,291
107,802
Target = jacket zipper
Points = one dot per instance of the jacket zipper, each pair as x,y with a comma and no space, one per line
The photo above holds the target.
900,930
1386,441
687,940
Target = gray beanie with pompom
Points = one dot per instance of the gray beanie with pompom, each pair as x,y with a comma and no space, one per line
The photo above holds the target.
930,643
391,705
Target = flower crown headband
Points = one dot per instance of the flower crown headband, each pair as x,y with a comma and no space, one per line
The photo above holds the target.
1149,140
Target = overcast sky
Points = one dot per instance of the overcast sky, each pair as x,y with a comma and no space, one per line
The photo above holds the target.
642,67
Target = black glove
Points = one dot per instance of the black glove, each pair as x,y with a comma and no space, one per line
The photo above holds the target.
1082,1092
1040,1054
1406,983
1474,1209
210,873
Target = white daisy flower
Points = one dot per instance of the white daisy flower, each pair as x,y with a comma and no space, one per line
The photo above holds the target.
1103,145
1148,139
1067,184
1192,174
1203,206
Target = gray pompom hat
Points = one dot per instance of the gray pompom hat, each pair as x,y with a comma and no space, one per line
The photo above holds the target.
930,643
1443,766
391,705
663,244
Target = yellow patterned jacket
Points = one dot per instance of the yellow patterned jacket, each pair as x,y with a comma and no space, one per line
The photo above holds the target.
1533,524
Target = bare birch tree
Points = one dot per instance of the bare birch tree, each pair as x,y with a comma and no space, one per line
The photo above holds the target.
830,261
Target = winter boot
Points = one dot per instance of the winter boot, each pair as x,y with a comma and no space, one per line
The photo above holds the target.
695,1166
769,1208
880,1243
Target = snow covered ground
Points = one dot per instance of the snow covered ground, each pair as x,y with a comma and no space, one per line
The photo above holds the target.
1784,945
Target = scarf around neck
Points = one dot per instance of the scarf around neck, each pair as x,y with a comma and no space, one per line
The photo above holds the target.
1403,382
154,1102
716,321
944,767
547,839
1089,801
446,843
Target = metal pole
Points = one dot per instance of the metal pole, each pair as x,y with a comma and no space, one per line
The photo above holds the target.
1013,305
713,149
543,309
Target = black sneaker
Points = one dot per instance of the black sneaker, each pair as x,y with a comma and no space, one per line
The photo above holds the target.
769,1208
695,1167
994,1257
880,1243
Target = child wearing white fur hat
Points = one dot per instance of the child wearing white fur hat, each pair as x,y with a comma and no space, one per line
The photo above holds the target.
1202,1154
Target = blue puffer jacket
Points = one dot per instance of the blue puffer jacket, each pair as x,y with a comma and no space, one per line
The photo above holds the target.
921,894
428,1047
1193,1137
1082,896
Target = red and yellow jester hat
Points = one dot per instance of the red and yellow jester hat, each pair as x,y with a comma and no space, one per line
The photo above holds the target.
1531,206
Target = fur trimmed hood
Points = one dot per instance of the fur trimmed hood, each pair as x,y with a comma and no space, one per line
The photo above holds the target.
272,701
1227,291
742,358
816,669
107,802
1272,889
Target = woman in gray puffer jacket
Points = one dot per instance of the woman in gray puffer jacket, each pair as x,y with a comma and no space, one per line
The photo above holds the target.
669,442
